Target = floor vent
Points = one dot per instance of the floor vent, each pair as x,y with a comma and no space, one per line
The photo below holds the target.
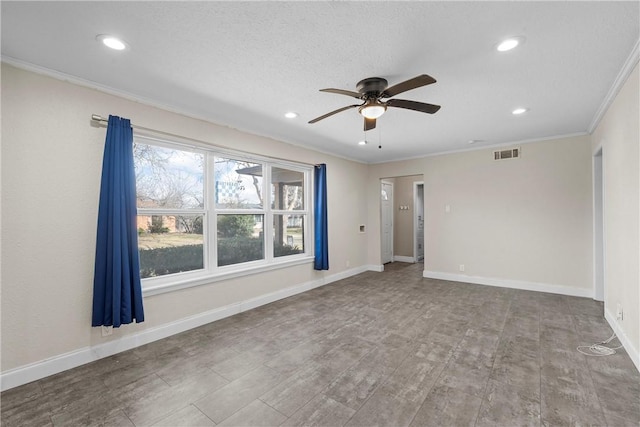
512,153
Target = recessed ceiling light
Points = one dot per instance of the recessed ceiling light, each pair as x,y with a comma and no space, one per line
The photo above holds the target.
473,141
509,44
362,143
519,111
111,42
291,115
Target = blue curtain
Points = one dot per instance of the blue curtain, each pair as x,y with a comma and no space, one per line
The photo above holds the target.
320,217
117,293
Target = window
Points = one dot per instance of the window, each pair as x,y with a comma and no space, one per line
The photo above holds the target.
202,213
287,200
170,201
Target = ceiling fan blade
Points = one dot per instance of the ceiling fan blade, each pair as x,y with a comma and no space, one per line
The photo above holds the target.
343,92
413,105
369,124
317,119
419,81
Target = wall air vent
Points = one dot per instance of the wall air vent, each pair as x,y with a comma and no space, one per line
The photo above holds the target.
512,153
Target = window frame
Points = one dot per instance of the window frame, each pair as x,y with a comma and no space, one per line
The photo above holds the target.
211,272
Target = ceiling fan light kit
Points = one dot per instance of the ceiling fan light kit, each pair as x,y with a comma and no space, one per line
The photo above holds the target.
372,110
373,89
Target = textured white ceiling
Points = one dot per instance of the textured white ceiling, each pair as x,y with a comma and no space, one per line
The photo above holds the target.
244,64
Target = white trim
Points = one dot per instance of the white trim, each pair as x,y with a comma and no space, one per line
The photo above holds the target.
620,80
401,258
53,365
153,103
597,180
513,284
624,340
484,147
177,284
390,183
417,184
377,268
414,220
150,102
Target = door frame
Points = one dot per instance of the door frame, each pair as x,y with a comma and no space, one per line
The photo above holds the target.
599,198
416,184
390,183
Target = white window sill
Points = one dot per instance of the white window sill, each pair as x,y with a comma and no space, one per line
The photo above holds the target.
203,279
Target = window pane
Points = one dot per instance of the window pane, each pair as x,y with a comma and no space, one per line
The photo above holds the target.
238,184
288,235
170,244
287,189
168,178
240,239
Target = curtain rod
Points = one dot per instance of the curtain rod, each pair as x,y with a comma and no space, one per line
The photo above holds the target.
98,118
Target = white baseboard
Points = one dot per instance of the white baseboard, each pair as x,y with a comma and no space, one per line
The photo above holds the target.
624,340
376,268
43,368
401,258
514,284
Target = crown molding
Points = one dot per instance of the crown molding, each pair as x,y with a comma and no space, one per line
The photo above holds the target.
487,147
620,80
58,75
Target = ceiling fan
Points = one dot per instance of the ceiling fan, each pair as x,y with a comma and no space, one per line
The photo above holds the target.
373,89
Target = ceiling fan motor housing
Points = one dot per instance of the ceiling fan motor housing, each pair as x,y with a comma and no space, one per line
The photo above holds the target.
372,86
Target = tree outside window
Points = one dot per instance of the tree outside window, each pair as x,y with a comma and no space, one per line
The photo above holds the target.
199,211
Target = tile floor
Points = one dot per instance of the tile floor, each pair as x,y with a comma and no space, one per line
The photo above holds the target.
391,349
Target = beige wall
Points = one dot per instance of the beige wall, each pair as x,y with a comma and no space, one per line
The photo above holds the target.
520,221
528,221
618,135
51,162
403,219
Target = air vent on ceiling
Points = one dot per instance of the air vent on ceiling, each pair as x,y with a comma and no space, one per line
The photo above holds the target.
512,153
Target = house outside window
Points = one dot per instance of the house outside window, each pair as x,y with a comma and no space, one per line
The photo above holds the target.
203,213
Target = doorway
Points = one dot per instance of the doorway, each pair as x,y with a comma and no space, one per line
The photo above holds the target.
418,221
386,221
598,227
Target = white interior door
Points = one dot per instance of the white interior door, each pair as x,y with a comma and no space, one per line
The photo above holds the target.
419,221
386,220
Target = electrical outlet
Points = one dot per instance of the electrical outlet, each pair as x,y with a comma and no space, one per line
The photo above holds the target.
619,312
107,330
348,263
462,267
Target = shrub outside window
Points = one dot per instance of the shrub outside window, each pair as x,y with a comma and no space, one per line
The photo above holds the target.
202,213
170,244
240,238
170,202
